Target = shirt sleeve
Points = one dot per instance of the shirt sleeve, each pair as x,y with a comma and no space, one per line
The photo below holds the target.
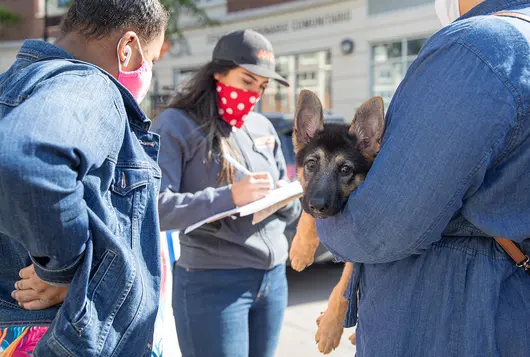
48,144
179,210
449,120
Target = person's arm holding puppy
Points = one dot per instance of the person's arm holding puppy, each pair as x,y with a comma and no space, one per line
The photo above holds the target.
436,142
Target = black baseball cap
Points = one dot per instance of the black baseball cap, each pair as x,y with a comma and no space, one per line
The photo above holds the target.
250,50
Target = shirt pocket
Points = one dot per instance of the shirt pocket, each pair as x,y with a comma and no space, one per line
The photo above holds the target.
129,195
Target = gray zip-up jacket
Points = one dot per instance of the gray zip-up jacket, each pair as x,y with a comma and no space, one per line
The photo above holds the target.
190,193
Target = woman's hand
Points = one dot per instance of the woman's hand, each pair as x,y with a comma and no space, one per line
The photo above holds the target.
282,183
251,188
34,294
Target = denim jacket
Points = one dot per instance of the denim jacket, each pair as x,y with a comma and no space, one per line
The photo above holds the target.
452,173
78,183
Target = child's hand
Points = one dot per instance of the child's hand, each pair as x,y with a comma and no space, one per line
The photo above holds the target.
34,294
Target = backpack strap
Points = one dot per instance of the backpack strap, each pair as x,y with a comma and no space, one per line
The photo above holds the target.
521,260
513,14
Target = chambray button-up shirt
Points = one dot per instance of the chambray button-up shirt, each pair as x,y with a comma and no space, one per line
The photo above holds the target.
453,172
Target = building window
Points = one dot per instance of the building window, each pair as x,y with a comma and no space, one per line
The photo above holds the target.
181,78
310,71
390,62
383,6
64,3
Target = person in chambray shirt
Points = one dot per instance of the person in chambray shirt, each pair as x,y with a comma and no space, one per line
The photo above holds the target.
452,173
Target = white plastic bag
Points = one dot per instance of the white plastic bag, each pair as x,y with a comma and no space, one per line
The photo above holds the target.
165,342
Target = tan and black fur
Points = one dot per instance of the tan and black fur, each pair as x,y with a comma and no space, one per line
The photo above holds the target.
332,160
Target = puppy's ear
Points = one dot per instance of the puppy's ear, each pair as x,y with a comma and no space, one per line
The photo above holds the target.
308,119
368,126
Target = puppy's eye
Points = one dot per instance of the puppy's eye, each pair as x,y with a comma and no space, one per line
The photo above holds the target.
310,165
346,170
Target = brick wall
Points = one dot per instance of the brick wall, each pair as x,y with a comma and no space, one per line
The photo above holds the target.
31,25
239,5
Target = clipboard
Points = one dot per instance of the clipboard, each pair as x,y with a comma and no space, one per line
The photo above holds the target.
260,209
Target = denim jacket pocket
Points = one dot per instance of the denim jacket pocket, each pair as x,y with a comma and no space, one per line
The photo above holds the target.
129,198
85,329
97,281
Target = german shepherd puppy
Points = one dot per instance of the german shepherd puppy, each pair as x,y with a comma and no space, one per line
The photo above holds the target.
331,161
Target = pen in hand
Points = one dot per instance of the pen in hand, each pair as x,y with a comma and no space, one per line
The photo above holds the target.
237,165
252,187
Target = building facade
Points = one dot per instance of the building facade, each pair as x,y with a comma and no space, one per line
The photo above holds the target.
343,50
36,16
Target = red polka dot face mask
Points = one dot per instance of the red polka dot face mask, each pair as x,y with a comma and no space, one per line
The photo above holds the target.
235,104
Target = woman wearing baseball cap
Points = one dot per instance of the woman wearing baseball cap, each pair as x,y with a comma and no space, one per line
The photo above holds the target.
230,288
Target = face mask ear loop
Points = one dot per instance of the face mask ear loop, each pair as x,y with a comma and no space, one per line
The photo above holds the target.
141,49
127,54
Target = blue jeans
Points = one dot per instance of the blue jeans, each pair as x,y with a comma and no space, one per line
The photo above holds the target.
229,313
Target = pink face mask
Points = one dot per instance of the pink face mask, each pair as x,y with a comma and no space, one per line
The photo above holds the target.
138,82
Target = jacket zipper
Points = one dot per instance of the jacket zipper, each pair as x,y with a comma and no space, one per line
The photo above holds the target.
249,166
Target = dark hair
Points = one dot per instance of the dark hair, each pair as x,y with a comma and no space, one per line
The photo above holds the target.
96,19
199,100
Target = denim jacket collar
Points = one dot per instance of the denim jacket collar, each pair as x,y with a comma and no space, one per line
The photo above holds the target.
37,50
489,7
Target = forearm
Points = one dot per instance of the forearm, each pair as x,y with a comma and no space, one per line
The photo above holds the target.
181,210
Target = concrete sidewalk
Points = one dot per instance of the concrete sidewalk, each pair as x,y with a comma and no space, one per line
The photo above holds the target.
308,294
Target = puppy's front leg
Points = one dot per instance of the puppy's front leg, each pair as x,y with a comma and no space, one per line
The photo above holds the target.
331,322
305,242
353,338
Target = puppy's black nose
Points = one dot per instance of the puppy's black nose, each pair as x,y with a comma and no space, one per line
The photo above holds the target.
318,205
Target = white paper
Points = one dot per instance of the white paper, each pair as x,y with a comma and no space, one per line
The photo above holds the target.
293,189
275,196
212,219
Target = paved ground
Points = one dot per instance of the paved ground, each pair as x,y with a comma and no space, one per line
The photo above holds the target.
308,294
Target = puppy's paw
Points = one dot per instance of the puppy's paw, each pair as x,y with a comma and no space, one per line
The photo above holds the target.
302,253
329,332
353,338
